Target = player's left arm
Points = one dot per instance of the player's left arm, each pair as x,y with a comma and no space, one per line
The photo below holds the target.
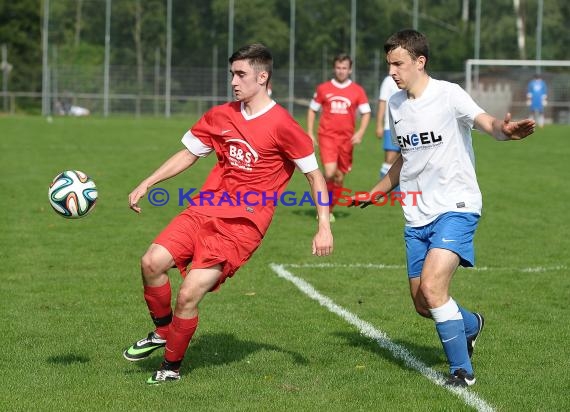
364,120
323,240
505,129
311,116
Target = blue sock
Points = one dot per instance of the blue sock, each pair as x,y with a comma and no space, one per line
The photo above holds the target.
451,331
452,336
469,321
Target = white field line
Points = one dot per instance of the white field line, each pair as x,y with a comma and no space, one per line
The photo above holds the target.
536,269
368,330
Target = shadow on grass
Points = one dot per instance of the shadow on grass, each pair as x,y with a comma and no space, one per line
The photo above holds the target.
428,355
338,214
219,349
68,359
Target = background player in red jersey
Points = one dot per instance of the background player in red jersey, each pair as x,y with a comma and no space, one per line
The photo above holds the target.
258,146
339,99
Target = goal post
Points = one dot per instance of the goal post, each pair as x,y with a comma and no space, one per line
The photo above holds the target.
500,85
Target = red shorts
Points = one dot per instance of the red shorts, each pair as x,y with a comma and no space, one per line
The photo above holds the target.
336,151
207,241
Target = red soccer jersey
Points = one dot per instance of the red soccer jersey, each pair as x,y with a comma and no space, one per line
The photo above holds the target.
339,102
255,160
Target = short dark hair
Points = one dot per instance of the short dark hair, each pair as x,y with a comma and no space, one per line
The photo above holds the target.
410,40
342,57
258,56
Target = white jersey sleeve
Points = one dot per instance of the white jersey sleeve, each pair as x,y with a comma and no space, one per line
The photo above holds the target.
364,108
195,145
466,110
307,164
314,105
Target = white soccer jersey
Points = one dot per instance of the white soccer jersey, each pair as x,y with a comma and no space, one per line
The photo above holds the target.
434,133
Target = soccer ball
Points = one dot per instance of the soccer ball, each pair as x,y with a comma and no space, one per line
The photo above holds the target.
72,194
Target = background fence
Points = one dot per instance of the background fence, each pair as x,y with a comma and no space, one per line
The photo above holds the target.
194,90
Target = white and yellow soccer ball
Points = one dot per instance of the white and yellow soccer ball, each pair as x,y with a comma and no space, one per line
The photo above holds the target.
72,194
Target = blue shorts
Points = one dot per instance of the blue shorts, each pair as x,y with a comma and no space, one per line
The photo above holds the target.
388,144
452,231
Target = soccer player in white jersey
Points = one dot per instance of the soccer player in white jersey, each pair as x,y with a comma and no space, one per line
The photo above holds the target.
391,149
431,120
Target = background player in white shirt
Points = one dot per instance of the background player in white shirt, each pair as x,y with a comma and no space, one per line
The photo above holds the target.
432,122
391,149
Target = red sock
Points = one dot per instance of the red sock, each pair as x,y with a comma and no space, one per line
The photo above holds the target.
158,300
337,190
179,336
331,189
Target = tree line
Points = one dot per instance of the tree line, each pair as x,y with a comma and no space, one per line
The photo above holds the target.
138,31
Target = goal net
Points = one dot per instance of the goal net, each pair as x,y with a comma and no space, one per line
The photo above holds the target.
500,86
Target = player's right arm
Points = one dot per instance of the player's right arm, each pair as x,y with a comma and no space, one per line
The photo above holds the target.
176,164
323,240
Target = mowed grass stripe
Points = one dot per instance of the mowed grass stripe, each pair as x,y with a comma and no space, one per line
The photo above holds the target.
533,269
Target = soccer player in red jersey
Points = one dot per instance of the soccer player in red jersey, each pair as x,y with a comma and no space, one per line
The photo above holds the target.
258,146
338,99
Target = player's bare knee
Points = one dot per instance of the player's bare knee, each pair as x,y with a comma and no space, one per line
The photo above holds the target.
151,266
146,264
187,299
430,294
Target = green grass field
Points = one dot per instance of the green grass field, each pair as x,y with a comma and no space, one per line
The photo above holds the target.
71,296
